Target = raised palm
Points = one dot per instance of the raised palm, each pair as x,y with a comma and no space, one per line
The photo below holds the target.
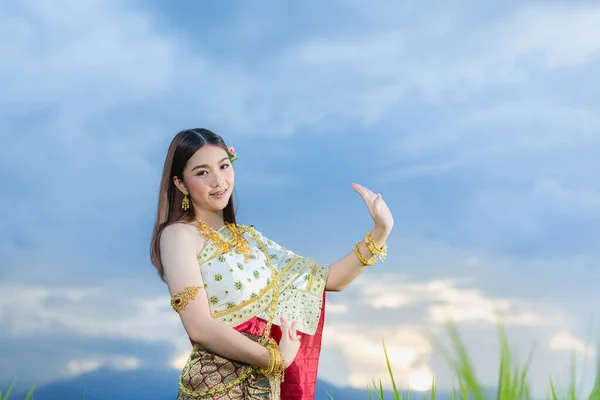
381,214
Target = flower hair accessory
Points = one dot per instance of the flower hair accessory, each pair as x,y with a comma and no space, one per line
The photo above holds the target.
232,154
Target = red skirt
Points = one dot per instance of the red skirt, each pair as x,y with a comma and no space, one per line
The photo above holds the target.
300,377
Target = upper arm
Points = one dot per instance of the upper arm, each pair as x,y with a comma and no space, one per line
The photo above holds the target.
178,256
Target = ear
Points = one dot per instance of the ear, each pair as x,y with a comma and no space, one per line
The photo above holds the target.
179,184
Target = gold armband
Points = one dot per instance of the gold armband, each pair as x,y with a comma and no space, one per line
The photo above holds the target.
181,299
363,260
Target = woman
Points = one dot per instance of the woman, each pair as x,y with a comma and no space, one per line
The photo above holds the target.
244,301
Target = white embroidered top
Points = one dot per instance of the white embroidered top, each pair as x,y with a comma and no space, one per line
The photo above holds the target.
240,286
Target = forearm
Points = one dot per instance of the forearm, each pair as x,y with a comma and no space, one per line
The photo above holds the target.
225,341
346,270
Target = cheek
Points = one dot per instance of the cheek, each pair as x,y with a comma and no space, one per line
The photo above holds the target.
230,176
198,186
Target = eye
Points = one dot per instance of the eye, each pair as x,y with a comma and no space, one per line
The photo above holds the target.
224,166
201,173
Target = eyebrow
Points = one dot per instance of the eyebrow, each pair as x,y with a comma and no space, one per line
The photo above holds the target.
206,165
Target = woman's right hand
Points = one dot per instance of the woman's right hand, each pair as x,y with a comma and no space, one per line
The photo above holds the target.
290,342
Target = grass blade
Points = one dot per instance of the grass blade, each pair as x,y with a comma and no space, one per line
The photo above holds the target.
9,391
30,393
389,366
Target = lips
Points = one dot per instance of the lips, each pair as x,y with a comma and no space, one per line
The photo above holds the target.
219,193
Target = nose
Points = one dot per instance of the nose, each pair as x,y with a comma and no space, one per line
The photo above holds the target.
217,181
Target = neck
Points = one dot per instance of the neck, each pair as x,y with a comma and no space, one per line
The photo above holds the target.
213,219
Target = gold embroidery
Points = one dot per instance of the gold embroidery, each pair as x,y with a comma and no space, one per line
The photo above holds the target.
312,276
181,299
267,288
240,306
231,369
264,339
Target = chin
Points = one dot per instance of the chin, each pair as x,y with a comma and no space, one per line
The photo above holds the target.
220,204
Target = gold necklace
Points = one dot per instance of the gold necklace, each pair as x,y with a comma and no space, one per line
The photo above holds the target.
238,241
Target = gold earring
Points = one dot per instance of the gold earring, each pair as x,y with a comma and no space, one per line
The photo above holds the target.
185,204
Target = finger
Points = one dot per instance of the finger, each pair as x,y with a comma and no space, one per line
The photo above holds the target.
358,189
380,208
364,192
383,205
372,196
293,332
285,329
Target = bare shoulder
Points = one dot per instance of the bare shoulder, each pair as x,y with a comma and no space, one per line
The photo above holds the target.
180,234
177,229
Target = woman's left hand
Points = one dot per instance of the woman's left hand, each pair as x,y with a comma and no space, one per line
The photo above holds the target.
381,214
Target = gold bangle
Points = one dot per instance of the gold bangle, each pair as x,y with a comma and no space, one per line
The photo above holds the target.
362,259
280,366
276,365
377,252
269,370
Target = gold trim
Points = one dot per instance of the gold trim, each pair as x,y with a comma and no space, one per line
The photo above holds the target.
240,306
313,272
275,279
263,340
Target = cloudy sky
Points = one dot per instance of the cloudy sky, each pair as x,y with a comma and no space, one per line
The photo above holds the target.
477,122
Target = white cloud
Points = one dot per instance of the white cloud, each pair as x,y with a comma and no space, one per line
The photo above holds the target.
92,312
365,77
362,348
117,53
356,336
90,364
446,301
336,308
574,44
565,340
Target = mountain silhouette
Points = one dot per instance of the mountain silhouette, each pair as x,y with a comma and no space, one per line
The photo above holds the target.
154,384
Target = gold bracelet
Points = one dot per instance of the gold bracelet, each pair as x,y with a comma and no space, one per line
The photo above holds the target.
280,366
277,364
363,260
269,370
377,252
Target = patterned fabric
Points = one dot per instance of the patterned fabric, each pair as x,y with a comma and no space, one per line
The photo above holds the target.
206,371
239,289
300,377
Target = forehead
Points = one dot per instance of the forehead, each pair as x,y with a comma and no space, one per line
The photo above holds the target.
207,154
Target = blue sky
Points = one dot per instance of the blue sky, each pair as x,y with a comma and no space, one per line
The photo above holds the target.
477,123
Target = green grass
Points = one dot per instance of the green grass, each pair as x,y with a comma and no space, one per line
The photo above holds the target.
513,381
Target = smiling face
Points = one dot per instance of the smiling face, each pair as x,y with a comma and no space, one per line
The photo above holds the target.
208,179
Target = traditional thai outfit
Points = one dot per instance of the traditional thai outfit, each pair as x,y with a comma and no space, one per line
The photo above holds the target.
251,281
